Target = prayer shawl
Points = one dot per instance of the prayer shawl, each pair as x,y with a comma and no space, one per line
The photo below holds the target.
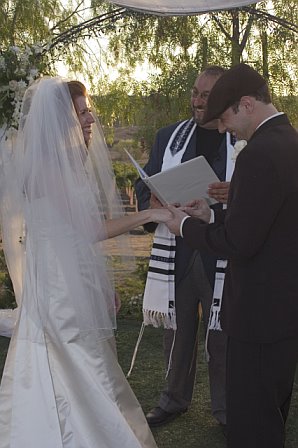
159,296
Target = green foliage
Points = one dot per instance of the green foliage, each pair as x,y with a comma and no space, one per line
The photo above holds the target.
142,269
125,174
164,99
31,21
288,104
131,289
129,144
223,37
176,48
131,294
179,47
118,101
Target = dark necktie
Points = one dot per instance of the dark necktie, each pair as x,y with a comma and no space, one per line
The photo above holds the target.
233,139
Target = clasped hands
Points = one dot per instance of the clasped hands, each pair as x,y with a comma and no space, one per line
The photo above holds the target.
173,214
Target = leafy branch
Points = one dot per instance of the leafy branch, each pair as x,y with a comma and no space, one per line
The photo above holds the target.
88,28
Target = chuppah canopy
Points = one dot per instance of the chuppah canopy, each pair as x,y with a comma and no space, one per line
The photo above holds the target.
181,7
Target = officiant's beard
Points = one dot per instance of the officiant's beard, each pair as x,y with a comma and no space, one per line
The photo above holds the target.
198,114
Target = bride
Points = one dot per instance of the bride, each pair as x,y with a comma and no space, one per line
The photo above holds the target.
62,386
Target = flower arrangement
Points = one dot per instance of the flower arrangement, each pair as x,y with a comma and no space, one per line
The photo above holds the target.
239,145
18,69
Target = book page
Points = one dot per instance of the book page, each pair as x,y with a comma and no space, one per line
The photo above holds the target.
140,170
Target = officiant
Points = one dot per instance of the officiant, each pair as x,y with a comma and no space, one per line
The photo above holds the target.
187,275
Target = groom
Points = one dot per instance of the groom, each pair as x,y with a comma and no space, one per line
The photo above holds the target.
258,233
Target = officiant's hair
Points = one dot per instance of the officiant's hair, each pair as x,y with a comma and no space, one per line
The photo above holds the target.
213,70
76,89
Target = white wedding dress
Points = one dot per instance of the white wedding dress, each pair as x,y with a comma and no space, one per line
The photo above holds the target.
61,387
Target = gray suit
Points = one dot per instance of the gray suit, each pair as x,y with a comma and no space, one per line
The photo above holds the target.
194,280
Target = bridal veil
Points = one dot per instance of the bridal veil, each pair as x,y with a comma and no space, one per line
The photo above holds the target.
57,192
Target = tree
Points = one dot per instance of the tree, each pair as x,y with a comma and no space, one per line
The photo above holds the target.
176,48
59,27
179,47
236,27
32,21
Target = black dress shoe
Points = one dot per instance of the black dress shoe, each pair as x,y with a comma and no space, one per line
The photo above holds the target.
159,417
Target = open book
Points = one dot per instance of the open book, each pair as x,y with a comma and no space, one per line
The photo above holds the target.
182,183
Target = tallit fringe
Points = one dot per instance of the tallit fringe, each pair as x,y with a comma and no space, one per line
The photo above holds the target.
158,319
214,323
136,350
172,318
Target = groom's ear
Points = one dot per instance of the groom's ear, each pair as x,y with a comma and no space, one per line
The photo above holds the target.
248,103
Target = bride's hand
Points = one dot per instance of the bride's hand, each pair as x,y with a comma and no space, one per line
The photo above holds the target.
160,215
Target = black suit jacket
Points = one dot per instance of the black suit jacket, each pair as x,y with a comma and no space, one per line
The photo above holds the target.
259,235
183,251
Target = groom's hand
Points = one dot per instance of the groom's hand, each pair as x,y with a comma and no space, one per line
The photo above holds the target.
198,209
174,222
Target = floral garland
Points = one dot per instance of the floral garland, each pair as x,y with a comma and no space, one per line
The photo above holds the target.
18,69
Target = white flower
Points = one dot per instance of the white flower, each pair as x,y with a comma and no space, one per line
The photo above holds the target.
15,49
18,69
22,85
28,51
38,48
33,72
239,145
13,85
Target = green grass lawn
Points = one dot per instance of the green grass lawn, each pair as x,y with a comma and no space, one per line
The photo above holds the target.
196,428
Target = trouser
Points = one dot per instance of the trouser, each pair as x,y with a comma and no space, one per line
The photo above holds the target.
192,290
260,379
